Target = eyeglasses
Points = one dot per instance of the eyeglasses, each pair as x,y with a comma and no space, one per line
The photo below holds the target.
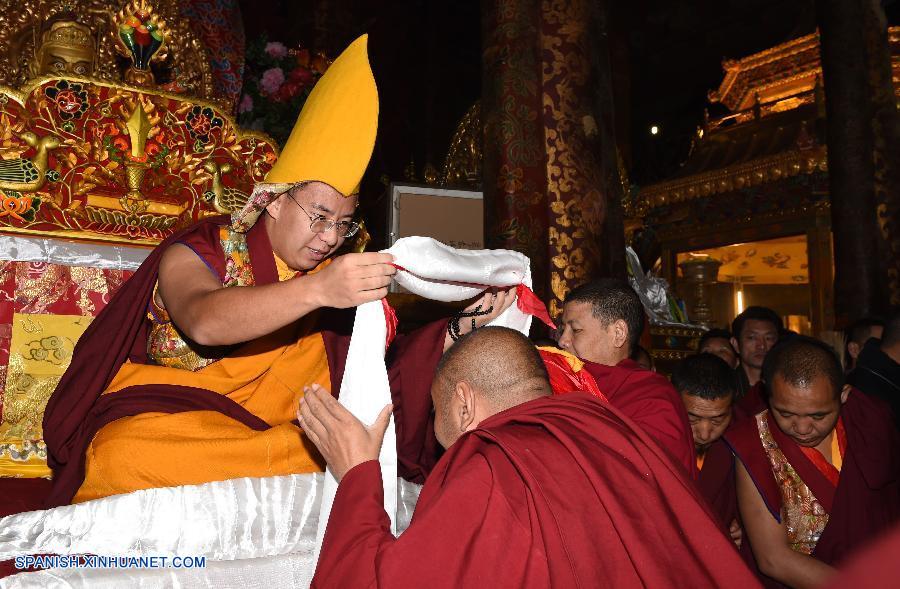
320,224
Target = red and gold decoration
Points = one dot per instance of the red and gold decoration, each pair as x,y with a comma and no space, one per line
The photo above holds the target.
44,309
141,38
83,38
515,170
546,177
83,159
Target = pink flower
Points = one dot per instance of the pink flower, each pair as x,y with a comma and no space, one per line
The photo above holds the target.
246,104
272,79
276,50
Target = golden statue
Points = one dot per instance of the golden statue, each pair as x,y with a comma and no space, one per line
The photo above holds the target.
145,32
65,47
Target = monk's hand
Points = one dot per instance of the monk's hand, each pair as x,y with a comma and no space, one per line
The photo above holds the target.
497,300
736,532
343,440
353,279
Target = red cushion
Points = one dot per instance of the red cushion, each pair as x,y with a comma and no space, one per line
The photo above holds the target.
20,495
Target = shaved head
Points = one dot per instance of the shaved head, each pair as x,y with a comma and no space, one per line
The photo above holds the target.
800,361
487,371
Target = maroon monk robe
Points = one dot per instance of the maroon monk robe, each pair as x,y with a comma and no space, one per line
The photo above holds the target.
716,479
753,401
875,566
717,484
653,403
76,410
867,498
562,491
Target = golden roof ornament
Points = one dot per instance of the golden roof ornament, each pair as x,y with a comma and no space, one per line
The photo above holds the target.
141,37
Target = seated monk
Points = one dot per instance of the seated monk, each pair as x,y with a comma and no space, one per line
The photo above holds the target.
601,324
706,385
185,378
817,472
535,490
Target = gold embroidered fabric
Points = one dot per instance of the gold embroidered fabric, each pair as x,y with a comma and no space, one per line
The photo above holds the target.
40,351
804,517
166,346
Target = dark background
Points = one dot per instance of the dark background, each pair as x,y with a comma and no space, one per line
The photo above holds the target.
426,54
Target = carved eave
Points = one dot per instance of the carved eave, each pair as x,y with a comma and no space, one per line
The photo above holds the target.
780,72
746,76
751,173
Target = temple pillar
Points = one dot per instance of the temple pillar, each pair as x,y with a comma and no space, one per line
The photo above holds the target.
861,286
514,169
550,174
886,137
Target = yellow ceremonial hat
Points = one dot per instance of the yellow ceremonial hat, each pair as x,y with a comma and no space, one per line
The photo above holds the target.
333,137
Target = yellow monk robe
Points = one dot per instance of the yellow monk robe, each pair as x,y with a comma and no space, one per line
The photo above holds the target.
265,376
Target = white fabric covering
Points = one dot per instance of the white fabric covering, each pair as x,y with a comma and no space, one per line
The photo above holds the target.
226,521
71,253
260,532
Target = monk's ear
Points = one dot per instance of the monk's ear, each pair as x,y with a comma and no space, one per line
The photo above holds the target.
620,333
465,396
845,392
734,344
274,207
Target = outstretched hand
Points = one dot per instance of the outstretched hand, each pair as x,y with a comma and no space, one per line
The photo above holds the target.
353,279
343,440
496,299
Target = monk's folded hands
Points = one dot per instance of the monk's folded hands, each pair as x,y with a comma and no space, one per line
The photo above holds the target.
343,440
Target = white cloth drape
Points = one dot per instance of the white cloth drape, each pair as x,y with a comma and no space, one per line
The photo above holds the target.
71,253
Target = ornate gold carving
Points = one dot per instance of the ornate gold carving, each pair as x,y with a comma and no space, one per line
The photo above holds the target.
820,208
672,331
140,37
224,199
95,163
780,72
20,19
752,173
131,218
28,174
66,47
138,129
463,163
575,181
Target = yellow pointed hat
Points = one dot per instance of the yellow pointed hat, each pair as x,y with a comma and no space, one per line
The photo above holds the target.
333,137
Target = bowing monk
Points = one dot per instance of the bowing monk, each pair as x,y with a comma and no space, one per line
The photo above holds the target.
601,324
706,385
535,490
818,470
185,378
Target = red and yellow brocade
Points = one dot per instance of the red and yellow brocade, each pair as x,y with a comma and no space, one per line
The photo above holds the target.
265,376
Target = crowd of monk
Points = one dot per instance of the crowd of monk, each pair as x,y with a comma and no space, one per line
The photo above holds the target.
570,464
